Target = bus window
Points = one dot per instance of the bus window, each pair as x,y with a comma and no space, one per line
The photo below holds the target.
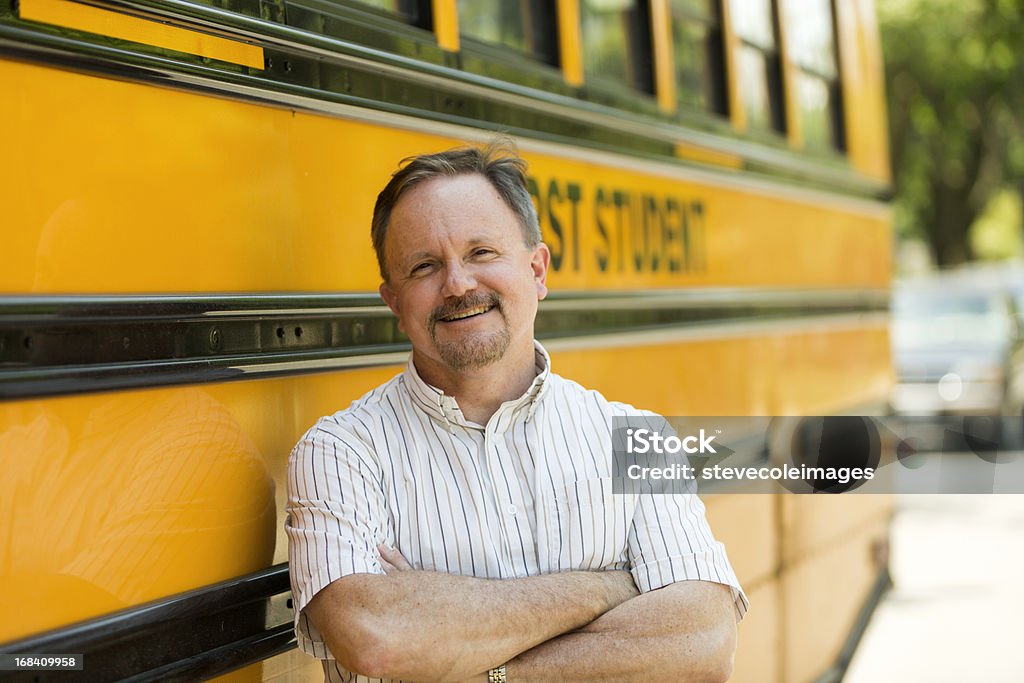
811,44
414,12
699,54
528,26
759,64
617,43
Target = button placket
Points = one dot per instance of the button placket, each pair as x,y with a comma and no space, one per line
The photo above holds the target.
512,521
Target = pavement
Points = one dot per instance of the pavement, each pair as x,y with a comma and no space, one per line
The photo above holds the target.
956,612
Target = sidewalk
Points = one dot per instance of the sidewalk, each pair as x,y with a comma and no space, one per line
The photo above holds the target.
956,613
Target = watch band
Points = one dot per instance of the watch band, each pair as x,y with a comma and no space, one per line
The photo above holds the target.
497,675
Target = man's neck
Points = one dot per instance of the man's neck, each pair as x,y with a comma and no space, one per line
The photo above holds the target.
481,391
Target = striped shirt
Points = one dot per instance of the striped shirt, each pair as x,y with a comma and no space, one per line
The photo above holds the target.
529,493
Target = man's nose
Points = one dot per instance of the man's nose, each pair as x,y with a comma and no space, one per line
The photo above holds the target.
458,280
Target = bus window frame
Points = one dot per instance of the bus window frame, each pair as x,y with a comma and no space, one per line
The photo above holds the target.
424,15
795,72
775,63
549,57
512,65
597,88
721,109
369,26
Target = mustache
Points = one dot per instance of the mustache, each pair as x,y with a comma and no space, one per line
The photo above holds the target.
464,303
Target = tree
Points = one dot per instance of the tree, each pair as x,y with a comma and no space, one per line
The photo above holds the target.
955,72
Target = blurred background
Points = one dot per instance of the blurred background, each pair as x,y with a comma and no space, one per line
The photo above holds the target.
955,80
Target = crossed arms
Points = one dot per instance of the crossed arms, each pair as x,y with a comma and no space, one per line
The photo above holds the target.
586,626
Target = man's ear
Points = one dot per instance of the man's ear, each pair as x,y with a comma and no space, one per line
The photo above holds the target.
391,300
540,261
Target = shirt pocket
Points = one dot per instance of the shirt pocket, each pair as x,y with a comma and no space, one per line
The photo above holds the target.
585,527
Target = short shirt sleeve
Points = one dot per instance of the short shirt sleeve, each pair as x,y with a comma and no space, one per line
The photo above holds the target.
335,518
670,539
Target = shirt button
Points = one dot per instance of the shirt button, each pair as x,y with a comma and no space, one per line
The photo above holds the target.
511,509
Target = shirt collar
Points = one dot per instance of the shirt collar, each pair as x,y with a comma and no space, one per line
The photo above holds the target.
445,408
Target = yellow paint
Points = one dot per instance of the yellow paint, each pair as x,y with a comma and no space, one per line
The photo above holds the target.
746,524
777,373
112,500
83,17
122,498
863,84
790,76
253,672
667,233
126,195
812,524
737,114
293,666
570,41
822,597
712,157
446,24
664,58
759,635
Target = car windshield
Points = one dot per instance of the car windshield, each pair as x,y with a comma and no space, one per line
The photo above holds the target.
924,319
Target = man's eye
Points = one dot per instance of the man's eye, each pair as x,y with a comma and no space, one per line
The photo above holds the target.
420,268
482,251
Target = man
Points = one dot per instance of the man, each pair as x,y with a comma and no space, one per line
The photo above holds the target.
458,522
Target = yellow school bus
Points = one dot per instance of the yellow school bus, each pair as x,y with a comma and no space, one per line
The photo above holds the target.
188,281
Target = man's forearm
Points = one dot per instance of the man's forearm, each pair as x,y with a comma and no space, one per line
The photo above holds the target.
420,626
683,632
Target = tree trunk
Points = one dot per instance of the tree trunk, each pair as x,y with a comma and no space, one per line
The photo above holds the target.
951,222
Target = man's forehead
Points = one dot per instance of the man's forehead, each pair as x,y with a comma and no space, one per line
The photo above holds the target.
457,191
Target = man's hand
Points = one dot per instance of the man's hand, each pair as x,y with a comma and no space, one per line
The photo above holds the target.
392,560
430,626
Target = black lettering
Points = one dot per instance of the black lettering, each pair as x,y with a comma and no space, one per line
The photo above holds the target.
574,194
698,236
556,245
621,200
673,222
637,230
684,237
603,249
652,228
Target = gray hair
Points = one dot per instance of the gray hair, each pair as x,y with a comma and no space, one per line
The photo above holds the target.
498,162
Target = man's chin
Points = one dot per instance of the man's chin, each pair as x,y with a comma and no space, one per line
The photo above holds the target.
473,352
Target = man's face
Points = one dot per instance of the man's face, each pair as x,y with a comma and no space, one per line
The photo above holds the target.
461,279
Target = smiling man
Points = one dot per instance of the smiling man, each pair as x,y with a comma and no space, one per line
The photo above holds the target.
458,522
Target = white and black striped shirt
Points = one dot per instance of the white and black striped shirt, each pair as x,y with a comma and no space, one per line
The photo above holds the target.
529,493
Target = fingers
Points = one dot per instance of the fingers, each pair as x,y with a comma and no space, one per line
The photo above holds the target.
392,560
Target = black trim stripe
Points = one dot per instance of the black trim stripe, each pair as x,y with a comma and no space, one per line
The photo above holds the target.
309,69
187,637
68,345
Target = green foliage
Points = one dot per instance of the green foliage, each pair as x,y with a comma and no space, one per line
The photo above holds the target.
996,234
955,72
